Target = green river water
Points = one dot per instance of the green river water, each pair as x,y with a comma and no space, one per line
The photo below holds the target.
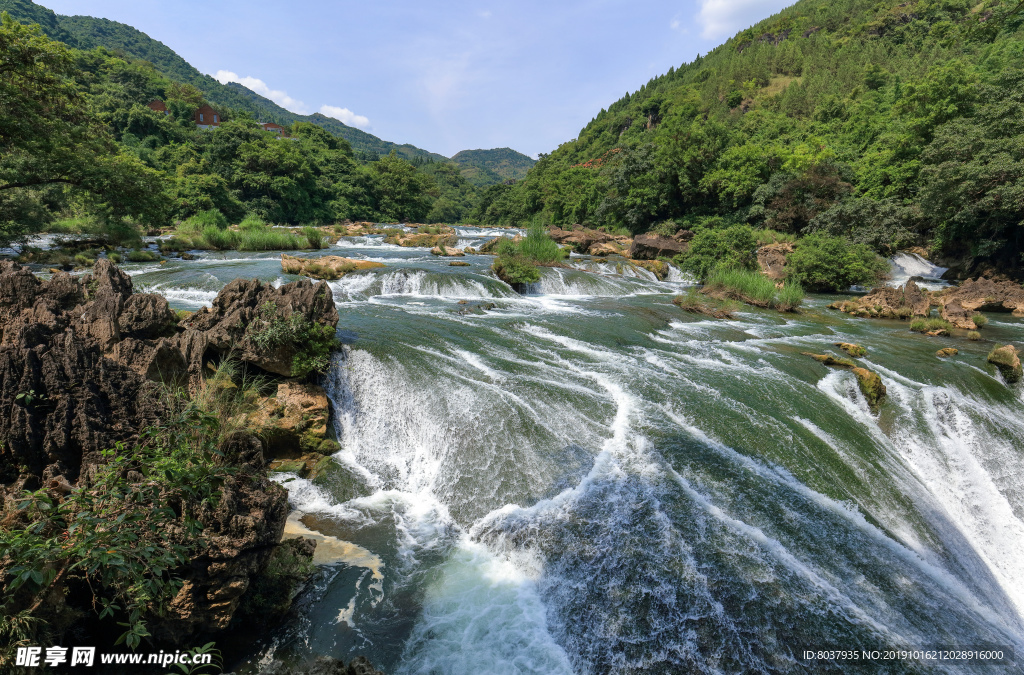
589,480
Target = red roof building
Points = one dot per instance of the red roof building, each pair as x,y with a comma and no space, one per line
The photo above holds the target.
158,106
270,126
207,117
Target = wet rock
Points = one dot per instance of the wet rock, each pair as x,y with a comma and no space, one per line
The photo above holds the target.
583,240
459,263
772,260
853,350
294,421
338,480
829,360
658,268
650,246
948,351
328,267
1007,359
605,248
871,386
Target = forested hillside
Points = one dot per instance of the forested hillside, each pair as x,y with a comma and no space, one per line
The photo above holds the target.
86,32
892,123
487,167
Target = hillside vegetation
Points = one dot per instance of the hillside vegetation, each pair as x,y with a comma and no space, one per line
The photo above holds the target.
891,123
487,167
86,33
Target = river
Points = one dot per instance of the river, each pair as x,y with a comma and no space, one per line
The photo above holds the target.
589,480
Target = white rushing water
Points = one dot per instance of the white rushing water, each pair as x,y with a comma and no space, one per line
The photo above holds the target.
589,480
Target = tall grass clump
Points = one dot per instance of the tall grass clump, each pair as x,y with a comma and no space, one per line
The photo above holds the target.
314,237
930,325
539,247
754,288
980,320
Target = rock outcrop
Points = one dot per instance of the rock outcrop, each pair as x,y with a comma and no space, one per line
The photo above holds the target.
651,245
887,302
590,242
947,352
447,252
1007,359
961,304
856,351
328,267
772,260
78,360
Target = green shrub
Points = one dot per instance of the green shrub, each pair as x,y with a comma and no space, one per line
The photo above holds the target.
974,335
251,222
314,237
313,342
114,257
538,246
734,247
980,320
210,218
754,288
825,263
515,270
142,256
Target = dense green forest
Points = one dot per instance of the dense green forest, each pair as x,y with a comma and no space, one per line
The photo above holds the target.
86,32
892,123
77,140
488,167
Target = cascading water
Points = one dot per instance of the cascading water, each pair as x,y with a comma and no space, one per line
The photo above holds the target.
591,481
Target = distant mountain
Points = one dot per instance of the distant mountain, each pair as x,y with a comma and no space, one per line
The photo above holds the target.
487,167
85,32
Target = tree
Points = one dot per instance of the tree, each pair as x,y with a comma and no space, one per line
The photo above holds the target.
53,147
402,193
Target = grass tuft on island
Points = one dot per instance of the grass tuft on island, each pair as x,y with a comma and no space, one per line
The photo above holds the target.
753,288
695,303
517,261
209,231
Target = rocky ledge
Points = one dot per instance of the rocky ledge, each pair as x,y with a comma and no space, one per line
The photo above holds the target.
83,366
958,305
328,267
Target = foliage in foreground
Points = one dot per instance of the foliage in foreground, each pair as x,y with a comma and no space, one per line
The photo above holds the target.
312,341
517,260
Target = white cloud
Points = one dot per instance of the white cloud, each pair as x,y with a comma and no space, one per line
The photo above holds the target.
485,14
723,18
346,116
260,87
675,24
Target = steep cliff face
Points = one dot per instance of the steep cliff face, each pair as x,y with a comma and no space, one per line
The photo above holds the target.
80,366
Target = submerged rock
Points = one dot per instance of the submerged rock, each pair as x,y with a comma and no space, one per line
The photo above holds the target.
447,252
830,360
1007,359
328,267
459,263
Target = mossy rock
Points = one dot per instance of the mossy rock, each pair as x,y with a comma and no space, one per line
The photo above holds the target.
829,360
871,386
1007,359
853,350
296,466
948,351
338,480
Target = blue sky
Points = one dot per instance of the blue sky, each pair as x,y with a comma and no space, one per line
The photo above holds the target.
445,76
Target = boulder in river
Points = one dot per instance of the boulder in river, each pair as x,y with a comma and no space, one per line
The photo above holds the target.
961,304
447,252
328,267
1007,359
652,245
947,352
853,350
886,302
869,382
